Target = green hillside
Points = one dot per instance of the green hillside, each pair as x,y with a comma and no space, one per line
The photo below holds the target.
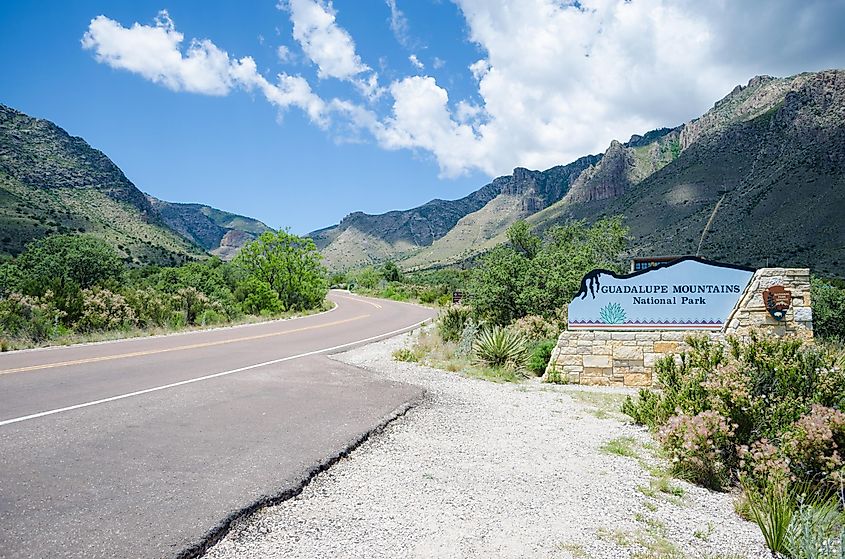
51,182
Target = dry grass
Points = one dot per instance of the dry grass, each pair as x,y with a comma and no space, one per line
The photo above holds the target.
431,350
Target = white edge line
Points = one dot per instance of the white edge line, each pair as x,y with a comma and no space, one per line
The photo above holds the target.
206,377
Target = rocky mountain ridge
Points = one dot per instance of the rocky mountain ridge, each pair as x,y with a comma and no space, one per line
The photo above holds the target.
740,167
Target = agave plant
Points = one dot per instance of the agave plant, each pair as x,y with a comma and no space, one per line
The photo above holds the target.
612,313
499,347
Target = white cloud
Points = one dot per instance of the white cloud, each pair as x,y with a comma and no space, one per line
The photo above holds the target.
559,80
155,52
421,120
284,54
556,81
438,63
328,45
398,24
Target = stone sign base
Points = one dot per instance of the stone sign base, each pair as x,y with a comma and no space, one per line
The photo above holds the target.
627,358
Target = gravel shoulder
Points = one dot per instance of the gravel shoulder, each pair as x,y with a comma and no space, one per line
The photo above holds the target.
480,469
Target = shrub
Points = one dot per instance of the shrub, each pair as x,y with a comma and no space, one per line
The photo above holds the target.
535,328
699,447
104,310
499,347
797,523
812,446
257,297
767,408
31,318
52,262
828,310
452,322
152,307
539,355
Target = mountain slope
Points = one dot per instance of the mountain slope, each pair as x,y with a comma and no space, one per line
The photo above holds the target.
760,180
51,182
520,195
220,233
445,229
361,239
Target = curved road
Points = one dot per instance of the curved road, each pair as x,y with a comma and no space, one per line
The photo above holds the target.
147,447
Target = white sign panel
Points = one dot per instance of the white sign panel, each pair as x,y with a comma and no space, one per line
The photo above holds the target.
686,294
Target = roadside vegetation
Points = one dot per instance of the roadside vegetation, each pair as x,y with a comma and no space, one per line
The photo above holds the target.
430,287
764,415
70,288
515,299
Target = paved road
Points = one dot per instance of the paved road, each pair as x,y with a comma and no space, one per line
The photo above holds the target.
144,447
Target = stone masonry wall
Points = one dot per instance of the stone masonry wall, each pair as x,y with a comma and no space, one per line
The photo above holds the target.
627,358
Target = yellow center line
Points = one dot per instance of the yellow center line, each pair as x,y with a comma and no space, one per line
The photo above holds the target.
177,348
376,305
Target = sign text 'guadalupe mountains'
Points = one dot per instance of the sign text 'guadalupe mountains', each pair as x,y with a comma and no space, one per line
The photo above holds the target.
685,294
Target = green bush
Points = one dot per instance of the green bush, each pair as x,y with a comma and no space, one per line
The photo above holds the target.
33,319
452,321
151,307
539,355
528,276
700,447
828,310
780,401
290,265
257,297
104,310
500,348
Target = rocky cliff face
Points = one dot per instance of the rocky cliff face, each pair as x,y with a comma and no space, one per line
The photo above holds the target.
218,232
361,239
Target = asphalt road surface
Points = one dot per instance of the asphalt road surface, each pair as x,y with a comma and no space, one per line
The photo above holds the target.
147,447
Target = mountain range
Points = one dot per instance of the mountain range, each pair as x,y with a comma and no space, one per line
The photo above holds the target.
758,180
52,182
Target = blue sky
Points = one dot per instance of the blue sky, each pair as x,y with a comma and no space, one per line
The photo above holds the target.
375,105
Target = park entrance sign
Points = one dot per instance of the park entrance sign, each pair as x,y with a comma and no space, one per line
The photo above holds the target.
685,294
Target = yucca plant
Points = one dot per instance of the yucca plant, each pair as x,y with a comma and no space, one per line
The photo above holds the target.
499,347
772,507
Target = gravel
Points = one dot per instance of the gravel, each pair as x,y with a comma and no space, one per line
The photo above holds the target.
494,470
